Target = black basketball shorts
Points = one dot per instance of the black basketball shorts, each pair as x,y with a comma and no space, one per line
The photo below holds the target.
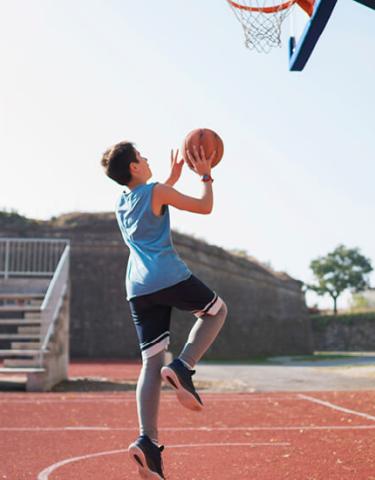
151,313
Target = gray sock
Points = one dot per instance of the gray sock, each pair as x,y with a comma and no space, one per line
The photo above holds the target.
148,395
202,335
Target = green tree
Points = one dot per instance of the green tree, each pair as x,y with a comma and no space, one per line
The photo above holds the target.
344,268
359,302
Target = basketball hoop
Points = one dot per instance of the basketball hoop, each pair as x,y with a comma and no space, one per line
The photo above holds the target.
261,20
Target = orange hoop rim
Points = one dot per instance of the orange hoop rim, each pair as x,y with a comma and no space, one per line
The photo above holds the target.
275,9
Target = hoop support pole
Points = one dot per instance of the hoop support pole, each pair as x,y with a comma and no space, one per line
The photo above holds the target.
314,28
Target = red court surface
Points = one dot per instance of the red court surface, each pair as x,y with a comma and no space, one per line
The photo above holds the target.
265,436
112,369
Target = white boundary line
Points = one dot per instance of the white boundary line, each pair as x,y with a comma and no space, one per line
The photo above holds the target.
169,398
188,429
44,475
336,407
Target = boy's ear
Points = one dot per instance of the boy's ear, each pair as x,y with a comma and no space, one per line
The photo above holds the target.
133,167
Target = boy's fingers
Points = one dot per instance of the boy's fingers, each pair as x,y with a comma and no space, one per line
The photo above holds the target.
196,154
176,155
203,155
212,156
189,160
190,156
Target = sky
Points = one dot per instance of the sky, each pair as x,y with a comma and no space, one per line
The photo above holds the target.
297,177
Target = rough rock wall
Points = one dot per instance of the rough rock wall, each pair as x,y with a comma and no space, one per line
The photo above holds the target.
267,312
336,335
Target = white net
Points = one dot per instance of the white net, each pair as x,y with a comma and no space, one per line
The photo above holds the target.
261,21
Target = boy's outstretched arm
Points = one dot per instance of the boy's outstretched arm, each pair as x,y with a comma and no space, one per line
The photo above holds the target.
165,194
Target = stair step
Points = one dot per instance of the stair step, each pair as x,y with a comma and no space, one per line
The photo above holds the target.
32,330
25,345
19,321
19,308
19,336
32,316
22,370
19,353
17,363
21,296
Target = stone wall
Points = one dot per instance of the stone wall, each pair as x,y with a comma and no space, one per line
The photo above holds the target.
357,334
267,312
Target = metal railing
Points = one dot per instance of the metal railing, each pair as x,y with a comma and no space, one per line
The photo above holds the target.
35,257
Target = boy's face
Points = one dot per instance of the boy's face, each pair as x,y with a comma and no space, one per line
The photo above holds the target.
141,169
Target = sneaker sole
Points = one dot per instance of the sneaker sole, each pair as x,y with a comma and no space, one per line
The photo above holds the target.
138,457
186,398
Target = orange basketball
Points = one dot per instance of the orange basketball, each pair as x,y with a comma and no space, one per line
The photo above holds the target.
208,139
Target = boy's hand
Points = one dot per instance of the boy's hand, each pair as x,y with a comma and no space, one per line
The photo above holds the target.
197,161
176,169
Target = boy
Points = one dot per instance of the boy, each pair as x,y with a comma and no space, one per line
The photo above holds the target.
157,280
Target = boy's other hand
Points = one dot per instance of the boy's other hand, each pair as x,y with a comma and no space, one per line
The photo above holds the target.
176,169
198,162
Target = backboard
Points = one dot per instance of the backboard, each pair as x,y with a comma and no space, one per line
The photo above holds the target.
368,3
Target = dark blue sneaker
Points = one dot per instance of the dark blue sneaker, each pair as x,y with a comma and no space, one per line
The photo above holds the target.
147,456
179,377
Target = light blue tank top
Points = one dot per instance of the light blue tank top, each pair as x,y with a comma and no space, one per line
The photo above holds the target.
153,262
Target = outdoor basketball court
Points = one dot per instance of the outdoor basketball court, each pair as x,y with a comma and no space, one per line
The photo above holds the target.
267,436
260,435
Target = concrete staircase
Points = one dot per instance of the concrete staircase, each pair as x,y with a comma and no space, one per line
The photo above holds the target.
20,332
34,318
20,342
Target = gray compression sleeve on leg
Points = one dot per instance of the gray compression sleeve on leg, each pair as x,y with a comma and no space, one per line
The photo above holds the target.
202,335
148,395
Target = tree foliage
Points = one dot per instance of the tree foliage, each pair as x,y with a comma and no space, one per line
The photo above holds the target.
344,268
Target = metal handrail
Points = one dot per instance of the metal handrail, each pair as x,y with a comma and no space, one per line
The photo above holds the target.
53,300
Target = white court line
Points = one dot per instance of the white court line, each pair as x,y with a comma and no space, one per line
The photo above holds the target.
188,429
336,407
44,475
133,400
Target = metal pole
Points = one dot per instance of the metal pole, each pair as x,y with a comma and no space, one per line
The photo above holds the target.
6,273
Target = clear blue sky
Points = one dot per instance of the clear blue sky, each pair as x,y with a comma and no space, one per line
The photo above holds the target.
298,174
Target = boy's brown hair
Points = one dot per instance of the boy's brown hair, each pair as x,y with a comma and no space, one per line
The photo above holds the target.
116,162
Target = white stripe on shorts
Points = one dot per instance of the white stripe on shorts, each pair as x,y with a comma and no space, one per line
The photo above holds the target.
154,349
216,304
144,344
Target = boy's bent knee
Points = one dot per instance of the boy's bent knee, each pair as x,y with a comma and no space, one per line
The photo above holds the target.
222,313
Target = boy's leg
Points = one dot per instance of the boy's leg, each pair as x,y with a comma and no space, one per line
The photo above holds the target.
152,323
202,335
148,395
194,296
178,374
